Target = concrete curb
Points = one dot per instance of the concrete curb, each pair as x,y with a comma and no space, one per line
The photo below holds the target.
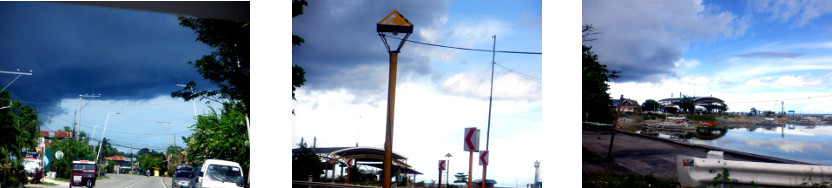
759,158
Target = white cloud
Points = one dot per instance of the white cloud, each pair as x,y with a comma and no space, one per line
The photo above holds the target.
801,12
428,125
506,86
786,145
786,81
645,39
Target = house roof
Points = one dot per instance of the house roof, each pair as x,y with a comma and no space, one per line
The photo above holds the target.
627,102
56,134
115,158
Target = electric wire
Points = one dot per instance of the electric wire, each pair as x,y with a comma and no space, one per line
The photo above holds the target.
469,49
780,99
529,77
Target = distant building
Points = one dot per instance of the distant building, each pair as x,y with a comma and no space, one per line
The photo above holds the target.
60,135
628,106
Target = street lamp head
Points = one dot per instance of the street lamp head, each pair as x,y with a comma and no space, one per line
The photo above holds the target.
394,23
448,155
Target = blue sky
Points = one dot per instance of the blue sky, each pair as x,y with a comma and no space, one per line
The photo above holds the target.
133,59
748,53
439,91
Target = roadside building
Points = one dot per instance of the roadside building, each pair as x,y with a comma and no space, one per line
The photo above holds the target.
628,106
59,135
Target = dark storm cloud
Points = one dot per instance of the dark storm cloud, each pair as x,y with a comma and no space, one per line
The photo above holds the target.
343,50
770,54
74,49
646,40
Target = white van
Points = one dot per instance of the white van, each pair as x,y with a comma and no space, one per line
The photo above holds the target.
220,173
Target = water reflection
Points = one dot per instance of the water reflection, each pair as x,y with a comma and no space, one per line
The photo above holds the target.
807,143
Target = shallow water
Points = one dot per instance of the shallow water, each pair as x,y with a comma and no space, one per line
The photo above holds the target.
811,144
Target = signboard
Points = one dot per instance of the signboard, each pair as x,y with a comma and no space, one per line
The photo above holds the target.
472,139
394,22
484,158
41,143
349,163
30,155
442,165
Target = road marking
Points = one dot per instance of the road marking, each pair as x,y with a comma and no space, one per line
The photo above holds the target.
134,183
163,183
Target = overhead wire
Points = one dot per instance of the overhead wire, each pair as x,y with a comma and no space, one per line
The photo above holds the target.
529,77
468,49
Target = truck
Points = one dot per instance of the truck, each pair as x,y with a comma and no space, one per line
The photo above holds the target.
83,173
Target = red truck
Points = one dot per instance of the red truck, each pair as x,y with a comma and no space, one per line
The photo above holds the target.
83,173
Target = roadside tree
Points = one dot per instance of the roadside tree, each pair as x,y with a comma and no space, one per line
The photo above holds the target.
650,105
596,101
220,136
297,71
306,162
18,132
461,178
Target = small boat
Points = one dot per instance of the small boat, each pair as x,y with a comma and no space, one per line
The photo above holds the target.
676,123
707,124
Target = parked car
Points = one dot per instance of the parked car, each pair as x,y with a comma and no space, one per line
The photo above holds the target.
182,176
220,173
83,173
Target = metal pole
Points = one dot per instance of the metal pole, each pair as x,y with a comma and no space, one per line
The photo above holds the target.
614,126
447,172
470,162
102,137
490,97
440,177
391,101
78,124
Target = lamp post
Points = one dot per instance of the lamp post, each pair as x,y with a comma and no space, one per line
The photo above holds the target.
192,92
393,23
79,112
447,173
102,136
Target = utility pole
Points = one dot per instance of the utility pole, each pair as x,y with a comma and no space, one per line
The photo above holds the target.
490,97
78,126
168,131
192,100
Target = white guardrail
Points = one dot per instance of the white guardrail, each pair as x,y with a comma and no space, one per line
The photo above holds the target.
694,171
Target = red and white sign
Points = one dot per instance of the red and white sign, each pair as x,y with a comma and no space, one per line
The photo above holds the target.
472,139
442,165
349,163
484,158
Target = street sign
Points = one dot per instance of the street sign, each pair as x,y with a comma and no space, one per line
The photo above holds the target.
442,165
349,163
472,139
484,158
394,22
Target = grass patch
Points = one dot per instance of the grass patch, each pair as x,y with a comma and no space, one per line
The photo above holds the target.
610,179
49,184
591,157
102,178
62,179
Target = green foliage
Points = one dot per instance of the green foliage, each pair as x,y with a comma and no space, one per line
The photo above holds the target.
461,178
650,105
297,81
686,104
18,132
107,149
148,161
297,9
220,136
227,67
110,166
721,178
73,150
594,87
610,179
305,163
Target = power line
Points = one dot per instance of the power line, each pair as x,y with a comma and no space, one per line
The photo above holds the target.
532,78
781,99
469,49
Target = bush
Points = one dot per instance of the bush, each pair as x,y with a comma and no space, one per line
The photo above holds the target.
110,166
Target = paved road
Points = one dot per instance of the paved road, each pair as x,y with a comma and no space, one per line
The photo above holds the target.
639,155
133,181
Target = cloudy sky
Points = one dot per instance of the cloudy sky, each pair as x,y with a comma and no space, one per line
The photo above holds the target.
748,53
440,91
133,59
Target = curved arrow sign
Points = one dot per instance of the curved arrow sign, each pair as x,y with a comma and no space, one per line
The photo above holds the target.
472,139
441,165
484,158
